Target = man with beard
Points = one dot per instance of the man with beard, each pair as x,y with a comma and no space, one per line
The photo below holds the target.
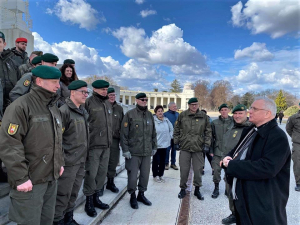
100,128
20,54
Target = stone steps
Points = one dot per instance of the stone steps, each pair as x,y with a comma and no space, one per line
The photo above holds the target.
108,197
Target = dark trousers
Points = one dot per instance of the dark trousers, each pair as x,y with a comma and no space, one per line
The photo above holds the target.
173,154
280,120
209,158
158,162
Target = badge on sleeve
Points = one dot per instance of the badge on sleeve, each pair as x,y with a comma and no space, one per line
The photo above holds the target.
26,83
125,124
12,129
63,129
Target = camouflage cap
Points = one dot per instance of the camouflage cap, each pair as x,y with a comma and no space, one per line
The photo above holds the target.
239,107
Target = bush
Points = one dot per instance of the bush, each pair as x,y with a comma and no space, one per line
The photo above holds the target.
291,110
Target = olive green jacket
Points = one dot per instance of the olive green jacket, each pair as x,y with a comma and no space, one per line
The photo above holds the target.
22,87
26,67
9,75
19,57
233,135
117,118
192,131
293,127
138,134
75,133
100,121
31,138
219,127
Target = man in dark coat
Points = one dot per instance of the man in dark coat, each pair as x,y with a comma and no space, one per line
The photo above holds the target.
259,168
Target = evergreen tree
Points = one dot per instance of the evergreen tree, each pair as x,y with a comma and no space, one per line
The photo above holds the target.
175,86
280,102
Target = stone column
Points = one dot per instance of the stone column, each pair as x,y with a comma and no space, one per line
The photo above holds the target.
155,101
129,102
124,99
168,101
149,102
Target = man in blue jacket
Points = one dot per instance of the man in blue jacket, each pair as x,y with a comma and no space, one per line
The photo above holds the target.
172,115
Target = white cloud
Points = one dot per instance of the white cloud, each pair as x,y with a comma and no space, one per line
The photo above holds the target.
257,52
139,1
132,74
147,12
77,12
166,46
274,17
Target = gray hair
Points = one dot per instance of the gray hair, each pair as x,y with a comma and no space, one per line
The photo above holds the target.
269,104
170,104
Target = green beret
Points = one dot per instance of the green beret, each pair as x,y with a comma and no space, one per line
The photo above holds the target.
141,95
100,84
110,90
192,100
239,107
48,57
76,84
69,61
223,106
2,36
36,60
46,72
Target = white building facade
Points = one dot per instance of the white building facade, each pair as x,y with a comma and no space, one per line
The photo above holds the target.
127,97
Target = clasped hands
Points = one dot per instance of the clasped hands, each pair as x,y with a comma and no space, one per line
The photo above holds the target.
225,161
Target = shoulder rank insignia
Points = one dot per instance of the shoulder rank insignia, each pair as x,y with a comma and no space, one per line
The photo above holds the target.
63,129
125,124
26,83
235,133
12,129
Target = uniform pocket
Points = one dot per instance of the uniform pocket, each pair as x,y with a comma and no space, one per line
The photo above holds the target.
20,195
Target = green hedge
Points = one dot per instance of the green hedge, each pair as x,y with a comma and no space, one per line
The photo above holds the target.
291,110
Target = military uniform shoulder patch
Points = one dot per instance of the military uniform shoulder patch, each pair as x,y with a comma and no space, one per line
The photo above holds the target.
26,83
12,129
125,124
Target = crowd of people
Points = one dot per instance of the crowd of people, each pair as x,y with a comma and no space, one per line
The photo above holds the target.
54,137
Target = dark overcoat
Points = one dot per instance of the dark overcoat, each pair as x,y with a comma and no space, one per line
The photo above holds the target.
263,178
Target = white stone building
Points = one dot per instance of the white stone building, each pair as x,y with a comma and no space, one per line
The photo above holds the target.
15,22
127,97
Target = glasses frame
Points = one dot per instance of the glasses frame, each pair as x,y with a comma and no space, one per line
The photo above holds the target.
144,99
83,92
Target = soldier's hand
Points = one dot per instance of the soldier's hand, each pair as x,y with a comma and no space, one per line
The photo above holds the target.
61,171
226,160
25,187
211,154
127,155
176,147
153,152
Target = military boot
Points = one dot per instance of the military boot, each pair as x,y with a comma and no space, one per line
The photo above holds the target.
216,193
111,185
61,222
229,220
182,194
133,201
69,220
198,193
141,198
98,203
89,206
297,188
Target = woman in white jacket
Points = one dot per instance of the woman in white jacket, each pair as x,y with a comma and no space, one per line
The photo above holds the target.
164,131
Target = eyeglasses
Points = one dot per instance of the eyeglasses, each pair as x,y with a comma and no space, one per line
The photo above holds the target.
111,95
256,109
144,99
194,105
83,92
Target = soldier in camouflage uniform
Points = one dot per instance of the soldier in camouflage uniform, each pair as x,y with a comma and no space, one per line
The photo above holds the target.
20,55
28,66
230,140
219,128
293,129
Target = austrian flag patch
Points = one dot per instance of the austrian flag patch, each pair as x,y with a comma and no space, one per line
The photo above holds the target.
12,129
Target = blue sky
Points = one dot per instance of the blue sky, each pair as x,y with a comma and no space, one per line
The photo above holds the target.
146,44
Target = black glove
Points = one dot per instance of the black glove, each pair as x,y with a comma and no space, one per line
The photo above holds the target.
176,147
206,149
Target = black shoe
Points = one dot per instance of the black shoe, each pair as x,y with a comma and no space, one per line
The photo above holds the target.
216,193
213,172
198,193
111,185
229,220
89,206
133,201
101,191
203,172
98,203
69,220
226,193
297,188
141,198
182,194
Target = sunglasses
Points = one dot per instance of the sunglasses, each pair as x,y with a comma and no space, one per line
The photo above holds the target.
144,99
